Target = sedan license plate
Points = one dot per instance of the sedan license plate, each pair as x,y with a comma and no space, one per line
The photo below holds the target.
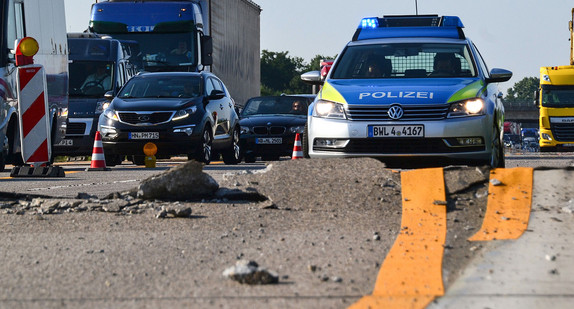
144,135
269,140
396,131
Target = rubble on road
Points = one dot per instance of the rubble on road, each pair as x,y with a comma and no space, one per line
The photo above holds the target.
249,272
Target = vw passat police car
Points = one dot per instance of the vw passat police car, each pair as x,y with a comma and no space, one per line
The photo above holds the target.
405,87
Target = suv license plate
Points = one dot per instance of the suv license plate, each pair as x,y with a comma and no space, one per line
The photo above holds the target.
144,135
396,131
269,140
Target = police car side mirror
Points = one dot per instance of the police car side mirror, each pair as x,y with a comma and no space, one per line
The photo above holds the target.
499,76
312,77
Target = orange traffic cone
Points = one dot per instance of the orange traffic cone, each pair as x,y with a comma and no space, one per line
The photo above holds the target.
98,158
297,150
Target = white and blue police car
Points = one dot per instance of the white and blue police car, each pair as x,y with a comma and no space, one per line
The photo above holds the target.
408,88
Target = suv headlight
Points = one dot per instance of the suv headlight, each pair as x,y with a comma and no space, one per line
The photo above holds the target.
111,114
183,113
328,109
472,107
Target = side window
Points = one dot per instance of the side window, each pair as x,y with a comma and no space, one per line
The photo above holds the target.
481,62
122,76
209,86
217,84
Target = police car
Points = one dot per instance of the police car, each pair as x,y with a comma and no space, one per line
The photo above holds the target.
408,88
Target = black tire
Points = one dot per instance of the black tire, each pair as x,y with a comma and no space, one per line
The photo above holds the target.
138,160
113,160
497,154
2,160
305,143
203,154
232,155
270,158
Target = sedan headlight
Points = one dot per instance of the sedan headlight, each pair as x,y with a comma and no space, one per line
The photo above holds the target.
298,129
328,109
183,113
473,107
244,130
111,114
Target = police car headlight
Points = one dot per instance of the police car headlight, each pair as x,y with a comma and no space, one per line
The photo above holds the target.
327,109
111,114
473,107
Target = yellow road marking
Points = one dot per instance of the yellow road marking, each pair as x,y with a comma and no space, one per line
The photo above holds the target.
508,206
411,275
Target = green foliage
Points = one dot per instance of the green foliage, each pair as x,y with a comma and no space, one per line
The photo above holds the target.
281,73
523,91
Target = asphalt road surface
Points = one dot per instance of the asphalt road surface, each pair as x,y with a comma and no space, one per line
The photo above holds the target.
324,231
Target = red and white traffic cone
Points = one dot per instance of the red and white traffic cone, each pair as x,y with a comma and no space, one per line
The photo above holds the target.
98,158
297,150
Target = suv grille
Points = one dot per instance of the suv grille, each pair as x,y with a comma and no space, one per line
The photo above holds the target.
145,118
411,112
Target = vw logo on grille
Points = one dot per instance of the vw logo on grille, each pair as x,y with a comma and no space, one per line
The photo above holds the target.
143,118
395,112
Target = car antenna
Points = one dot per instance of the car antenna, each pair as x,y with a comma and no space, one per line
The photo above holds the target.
416,7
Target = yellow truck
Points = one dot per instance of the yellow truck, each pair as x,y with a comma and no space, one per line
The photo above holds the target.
555,99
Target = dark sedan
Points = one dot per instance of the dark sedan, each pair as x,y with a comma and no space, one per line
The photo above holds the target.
269,124
181,113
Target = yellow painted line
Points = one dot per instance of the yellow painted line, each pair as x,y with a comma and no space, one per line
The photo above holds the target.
508,206
411,275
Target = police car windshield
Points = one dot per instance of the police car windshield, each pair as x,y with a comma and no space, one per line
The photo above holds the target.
405,60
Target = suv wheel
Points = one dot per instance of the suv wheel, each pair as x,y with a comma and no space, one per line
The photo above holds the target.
232,155
204,153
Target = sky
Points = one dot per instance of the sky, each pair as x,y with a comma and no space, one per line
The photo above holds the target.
520,36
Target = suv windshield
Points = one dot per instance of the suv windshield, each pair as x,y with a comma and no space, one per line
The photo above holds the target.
162,87
404,60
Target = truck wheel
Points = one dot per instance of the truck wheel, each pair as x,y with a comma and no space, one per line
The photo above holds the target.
232,155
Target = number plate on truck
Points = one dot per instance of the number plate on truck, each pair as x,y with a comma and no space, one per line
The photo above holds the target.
396,131
144,135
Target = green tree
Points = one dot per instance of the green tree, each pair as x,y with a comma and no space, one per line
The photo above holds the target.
281,73
523,91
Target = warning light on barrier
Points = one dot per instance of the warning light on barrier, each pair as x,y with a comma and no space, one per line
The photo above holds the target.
150,149
26,48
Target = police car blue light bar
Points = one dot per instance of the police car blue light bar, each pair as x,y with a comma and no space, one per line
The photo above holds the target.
410,26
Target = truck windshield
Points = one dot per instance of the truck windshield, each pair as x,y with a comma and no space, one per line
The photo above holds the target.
164,51
90,78
405,60
557,96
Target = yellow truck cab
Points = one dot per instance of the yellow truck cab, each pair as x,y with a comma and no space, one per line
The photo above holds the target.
555,99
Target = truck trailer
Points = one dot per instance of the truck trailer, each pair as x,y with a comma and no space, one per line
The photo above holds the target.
43,21
221,36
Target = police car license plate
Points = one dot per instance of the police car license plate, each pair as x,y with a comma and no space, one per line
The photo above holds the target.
269,140
396,131
144,135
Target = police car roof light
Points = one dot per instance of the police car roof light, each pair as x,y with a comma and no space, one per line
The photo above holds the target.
410,26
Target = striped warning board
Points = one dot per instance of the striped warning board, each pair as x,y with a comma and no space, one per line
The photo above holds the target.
33,111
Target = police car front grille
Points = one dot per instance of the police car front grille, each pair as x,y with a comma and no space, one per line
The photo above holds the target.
411,112
400,146
145,118
563,132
